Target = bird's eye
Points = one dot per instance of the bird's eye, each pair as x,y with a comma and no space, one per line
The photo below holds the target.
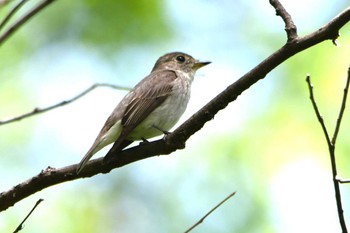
180,59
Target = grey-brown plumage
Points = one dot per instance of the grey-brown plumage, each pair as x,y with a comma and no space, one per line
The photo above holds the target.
154,105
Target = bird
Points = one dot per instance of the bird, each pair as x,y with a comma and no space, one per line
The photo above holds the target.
151,108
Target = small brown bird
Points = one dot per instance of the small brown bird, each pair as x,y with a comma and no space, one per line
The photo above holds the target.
152,107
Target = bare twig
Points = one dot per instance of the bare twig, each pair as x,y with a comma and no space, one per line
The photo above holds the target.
342,181
342,108
24,19
318,114
11,13
20,226
331,147
211,211
290,27
61,104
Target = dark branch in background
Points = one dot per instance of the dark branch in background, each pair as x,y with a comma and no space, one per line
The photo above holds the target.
23,20
12,12
61,104
331,145
20,226
177,139
211,211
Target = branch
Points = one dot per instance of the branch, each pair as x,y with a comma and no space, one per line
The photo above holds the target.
342,108
290,28
20,226
211,211
61,104
11,13
177,139
24,19
318,114
331,146
342,181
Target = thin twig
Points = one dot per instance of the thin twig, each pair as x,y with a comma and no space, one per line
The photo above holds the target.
331,148
318,114
211,211
24,19
342,181
11,13
342,108
61,104
290,27
20,226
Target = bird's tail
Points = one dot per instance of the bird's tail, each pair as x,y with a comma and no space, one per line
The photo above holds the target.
86,158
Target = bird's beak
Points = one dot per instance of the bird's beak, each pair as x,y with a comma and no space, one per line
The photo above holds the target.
200,64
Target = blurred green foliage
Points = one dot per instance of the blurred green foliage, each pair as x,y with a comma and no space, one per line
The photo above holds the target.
170,193
109,25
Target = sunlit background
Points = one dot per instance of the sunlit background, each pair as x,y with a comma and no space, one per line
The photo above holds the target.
267,145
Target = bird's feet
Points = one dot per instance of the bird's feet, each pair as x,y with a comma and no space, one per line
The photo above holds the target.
144,141
161,130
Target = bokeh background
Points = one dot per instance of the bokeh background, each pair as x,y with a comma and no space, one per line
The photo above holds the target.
267,145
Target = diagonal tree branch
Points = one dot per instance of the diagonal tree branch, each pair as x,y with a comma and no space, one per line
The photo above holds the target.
20,226
11,13
24,19
177,139
211,211
36,111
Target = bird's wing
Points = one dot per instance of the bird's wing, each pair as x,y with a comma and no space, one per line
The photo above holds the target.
148,95
139,103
